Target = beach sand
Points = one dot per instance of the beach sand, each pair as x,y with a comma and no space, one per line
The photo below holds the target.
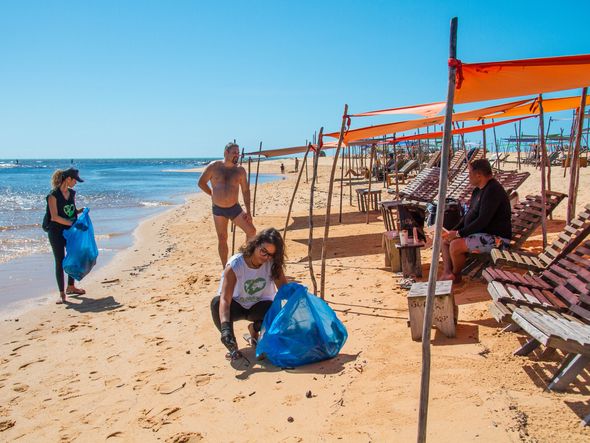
138,357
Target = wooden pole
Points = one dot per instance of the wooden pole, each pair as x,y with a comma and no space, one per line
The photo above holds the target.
485,144
233,225
350,175
368,206
571,143
384,164
575,165
314,174
442,191
420,156
517,146
543,166
342,166
306,177
329,205
294,193
395,170
548,163
256,181
496,146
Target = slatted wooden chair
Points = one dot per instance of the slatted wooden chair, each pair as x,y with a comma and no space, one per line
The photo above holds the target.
461,189
423,188
526,218
563,287
403,172
433,160
573,233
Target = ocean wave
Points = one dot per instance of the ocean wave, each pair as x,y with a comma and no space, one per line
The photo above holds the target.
18,227
154,204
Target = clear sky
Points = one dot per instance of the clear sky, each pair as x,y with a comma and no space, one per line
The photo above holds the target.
181,78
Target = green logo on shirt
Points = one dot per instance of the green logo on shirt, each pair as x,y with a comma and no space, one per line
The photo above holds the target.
70,210
254,286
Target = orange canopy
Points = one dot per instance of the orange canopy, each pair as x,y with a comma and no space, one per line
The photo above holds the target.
489,81
429,110
279,152
549,105
392,128
439,134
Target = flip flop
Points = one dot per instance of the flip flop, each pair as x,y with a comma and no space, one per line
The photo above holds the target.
251,341
75,291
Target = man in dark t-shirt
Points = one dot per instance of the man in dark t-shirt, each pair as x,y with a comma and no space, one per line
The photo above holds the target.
486,225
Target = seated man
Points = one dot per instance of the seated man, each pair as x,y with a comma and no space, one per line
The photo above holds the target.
486,225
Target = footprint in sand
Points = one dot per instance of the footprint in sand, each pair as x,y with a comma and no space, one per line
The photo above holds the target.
202,379
154,421
6,424
40,360
20,387
185,437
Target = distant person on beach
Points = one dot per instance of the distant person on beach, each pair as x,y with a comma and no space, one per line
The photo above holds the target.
486,225
60,214
282,168
226,178
296,164
248,286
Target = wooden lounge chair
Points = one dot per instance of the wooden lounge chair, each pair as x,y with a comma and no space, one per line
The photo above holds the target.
563,286
461,189
433,160
403,172
573,233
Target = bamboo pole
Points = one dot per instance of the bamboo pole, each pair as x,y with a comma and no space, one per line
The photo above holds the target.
575,166
571,143
342,166
442,191
543,166
256,181
420,152
384,164
350,175
485,144
314,174
496,146
517,146
329,205
396,170
294,193
306,177
548,163
233,225
368,206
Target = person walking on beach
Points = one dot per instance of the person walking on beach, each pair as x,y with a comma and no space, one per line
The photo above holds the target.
226,177
60,214
248,286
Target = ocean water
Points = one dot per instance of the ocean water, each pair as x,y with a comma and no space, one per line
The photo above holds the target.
119,192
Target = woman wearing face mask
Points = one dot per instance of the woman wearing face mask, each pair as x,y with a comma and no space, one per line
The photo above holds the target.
248,286
60,214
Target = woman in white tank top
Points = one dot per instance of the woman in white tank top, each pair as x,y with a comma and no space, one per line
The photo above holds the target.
248,286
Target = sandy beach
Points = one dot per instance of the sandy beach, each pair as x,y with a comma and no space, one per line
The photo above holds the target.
138,358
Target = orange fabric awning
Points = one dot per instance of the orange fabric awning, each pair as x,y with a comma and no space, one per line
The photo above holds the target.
457,131
392,128
279,152
429,110
549,105
489,81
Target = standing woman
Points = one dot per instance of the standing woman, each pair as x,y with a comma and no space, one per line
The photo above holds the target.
60,214
248,286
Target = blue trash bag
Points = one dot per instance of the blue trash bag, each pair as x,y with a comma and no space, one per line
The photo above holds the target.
81,249
299,328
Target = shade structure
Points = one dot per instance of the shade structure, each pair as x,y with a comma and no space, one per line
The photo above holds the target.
496,80
549,105
280,152
393,128
427,110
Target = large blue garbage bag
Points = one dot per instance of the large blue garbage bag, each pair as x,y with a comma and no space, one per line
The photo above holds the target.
300,328
81,249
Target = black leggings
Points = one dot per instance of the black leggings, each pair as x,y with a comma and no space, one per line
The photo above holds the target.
237,312
58,246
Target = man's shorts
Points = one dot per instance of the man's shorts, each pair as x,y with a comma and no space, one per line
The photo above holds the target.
484,243
229,213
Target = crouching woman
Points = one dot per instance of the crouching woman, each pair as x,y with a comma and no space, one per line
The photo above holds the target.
248,286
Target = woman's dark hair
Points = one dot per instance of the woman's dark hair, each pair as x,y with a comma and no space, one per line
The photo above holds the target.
272,236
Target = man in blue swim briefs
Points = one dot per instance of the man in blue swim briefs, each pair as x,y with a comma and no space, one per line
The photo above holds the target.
226,178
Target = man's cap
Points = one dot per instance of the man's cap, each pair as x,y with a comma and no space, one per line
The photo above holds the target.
73,173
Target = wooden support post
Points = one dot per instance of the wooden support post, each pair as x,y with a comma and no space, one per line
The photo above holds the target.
256,182
395,170
516,134
575,162
314,174
485,144
294,193
306,177
233,225
370,180
350,175
442,191
543,165
329,205
342,165
496,146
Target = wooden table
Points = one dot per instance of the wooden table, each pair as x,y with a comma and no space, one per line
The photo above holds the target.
444,308
411,263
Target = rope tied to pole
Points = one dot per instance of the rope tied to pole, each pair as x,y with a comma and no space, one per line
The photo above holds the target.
458,65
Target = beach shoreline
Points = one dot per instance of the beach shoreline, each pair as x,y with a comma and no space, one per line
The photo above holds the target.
141,347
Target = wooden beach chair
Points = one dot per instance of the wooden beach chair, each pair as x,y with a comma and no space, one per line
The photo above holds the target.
433,160
573,234
403,172
423,188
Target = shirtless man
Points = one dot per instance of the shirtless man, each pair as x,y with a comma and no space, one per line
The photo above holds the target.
226,178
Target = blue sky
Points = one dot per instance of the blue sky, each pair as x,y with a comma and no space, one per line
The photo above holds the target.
181,78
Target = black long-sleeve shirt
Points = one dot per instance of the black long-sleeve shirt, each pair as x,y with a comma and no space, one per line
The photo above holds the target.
489,212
